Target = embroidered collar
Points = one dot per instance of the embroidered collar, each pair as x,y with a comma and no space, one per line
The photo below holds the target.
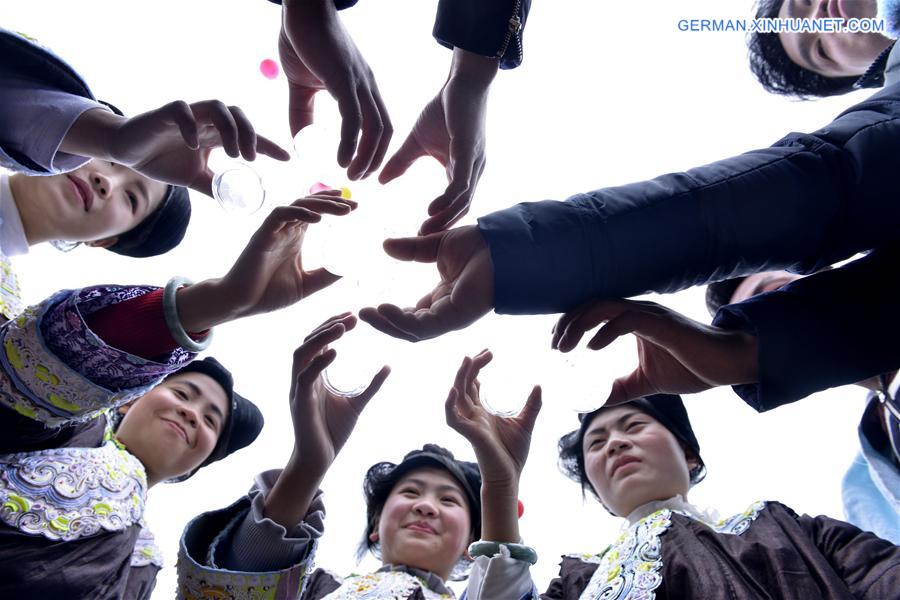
397,582
631,567
68,494
429,579
676,503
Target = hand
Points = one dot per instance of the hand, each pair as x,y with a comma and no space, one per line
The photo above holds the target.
268,274
676,355
464,294
500,443
317,53
450,129
323,421
170,144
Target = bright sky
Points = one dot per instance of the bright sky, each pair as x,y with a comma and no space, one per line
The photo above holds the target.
609,93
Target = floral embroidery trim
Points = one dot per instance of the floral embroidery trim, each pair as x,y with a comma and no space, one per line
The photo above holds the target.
630,568
10,294
41,384
72,493
383,585
146,552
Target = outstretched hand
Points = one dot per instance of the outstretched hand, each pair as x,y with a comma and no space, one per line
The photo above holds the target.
451,129
676,355
323,420
500,443
171,143
463,295
317,53
269,274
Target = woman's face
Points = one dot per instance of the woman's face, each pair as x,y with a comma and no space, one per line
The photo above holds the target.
94,203
174,427
832,54
425,522
630,459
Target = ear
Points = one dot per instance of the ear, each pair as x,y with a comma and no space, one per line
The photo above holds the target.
373,537
104,243
125,408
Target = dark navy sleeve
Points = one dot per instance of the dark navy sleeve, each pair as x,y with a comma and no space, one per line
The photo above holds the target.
491,28
806,202
829,329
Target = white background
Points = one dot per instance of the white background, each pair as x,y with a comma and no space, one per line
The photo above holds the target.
609,93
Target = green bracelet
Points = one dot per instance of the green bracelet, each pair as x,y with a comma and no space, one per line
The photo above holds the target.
170,311
516,551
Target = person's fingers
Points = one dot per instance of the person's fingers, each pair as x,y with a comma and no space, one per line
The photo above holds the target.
451,410
246,133
267,147
313,346
312,372
224,123
446,218
284,214
408,153
480,360
418,249
629,321
345,318
596,313
462,373
301,106
529,413
628,388
351,123
325,205
559,328
180,112
425,301
317,279
372,129
386,134
360,400
371,316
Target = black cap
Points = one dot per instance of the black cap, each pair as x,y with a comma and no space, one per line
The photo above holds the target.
161,230
668,409
382,477
244,420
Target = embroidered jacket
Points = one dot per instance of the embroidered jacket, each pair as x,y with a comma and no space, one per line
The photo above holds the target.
768,551
71,497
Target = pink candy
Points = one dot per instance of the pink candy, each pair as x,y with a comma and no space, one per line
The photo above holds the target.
269,68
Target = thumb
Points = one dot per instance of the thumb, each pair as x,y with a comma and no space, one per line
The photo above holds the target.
402,159
203,182
628,388
529,412
316,280
418,249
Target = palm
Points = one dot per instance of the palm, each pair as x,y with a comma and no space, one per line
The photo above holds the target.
156,148
430,131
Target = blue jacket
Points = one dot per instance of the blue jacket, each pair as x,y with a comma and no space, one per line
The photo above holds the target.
805,202
832,328
490,28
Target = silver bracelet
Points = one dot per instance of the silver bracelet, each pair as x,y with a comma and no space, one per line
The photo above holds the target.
176,329
516,551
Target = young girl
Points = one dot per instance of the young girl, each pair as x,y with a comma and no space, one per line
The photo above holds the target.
72,491
422,513
640,460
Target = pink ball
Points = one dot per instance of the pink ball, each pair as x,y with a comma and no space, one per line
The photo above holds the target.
269,68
